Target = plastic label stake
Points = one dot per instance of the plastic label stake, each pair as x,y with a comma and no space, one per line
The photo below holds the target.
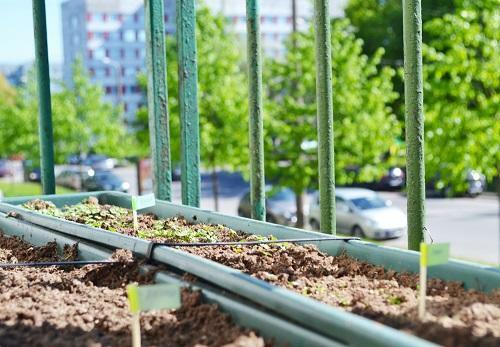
140,202
430,255
150,297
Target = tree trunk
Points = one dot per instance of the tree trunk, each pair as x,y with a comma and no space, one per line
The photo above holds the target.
215,188
299,201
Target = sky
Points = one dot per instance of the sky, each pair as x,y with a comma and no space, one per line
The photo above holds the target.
16,31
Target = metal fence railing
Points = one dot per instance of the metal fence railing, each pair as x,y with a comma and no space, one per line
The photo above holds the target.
158,111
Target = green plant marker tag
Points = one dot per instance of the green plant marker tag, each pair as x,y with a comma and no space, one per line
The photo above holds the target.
153,297
143,201
434,254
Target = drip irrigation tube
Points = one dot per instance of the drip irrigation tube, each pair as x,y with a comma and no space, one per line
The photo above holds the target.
252,243
58,263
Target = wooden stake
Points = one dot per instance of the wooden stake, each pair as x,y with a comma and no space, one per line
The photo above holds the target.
136,330
422,291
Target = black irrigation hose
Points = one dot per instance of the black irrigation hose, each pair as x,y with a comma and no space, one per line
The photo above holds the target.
251,243
152,245
58,263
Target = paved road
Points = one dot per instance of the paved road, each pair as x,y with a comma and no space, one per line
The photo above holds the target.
470,225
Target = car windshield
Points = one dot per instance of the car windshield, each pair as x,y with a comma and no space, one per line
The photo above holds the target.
107,177
368,203
283,195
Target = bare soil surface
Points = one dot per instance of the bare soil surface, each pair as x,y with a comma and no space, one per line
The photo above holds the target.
87,306
455,316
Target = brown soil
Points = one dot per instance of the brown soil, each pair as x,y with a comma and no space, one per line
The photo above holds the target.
455,317
87,306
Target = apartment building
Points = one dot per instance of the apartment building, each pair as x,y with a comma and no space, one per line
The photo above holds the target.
109,37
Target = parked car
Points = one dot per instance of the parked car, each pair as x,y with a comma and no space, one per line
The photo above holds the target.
280,206
5,169
72,177
362,213
394,179
95,161
476,184
105,180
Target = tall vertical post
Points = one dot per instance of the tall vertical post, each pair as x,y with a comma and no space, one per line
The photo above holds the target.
325,115
256,138
45,132
188,102
157,99
414,118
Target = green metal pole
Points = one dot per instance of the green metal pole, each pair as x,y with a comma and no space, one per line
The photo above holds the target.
325,115
257,178
45,132
414,117
188,102
157,99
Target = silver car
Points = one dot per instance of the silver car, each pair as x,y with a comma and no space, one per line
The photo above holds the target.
363,213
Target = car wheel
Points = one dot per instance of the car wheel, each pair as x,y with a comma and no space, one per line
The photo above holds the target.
270,219
357,231
314,224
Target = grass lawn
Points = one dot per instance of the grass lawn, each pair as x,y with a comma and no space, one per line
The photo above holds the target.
28,188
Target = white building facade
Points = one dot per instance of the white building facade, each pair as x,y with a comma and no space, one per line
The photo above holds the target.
109,38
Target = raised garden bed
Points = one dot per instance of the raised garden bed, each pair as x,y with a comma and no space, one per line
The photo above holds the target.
456,316
87,306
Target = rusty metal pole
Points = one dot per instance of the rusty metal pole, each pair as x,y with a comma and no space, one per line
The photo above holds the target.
157,99
256,123
188,102
414,119
45,132
325,115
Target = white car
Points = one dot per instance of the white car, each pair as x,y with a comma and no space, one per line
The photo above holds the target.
363,213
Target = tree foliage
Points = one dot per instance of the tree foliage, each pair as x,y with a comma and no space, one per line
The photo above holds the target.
462,102
364,126
379,23
82,122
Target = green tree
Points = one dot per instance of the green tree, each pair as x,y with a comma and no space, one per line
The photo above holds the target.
82,122
364,126
379,23
222,98
462,102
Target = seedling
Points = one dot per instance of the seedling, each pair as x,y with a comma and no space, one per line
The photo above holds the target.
430,255
151,297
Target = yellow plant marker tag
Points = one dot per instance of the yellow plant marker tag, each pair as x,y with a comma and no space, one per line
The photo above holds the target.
153,297
140,202
430,255
434,254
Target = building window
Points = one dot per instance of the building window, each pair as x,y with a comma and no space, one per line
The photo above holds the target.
92,72
90,35
122,53
105,35
129,35
89,17
125,106
109,90
106,53
124,90
141,36
136,17
107,71
137,53
121,35
104,17
120,17
90,54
